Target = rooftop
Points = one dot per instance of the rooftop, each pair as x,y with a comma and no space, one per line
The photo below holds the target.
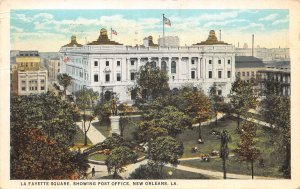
103,39
248,62
28,53
212,40
73,42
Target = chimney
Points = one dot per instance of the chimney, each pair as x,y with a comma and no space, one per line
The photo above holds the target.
252,44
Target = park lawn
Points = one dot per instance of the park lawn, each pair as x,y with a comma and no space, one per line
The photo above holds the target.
234,166
270,156
180,174
103,127
190,138
79,138
98,157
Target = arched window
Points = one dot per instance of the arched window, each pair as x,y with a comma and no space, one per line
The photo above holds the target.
163,66
173,67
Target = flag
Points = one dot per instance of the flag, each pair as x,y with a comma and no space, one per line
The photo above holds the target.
114,32
167,21
66,59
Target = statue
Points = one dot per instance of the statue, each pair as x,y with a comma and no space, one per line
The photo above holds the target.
114,110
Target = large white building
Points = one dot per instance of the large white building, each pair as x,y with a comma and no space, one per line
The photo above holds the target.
106,65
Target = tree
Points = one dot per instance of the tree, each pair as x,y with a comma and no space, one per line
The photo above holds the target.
149,130
151,81
85,100
42,130
224,151
65,80
120,157
164,150
246,149
149,171
103,111
197,105
216,100
242,99
276,111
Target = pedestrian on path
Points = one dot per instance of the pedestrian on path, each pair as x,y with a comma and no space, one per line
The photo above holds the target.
93,171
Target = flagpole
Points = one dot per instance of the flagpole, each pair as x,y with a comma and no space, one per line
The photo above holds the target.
163,30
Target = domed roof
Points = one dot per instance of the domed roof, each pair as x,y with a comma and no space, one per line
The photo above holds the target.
103,39
73,42
212,40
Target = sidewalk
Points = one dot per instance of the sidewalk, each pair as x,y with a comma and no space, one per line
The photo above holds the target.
93,134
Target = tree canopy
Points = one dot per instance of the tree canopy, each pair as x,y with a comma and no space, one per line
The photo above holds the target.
65,80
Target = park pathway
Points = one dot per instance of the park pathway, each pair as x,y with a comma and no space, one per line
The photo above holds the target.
93,134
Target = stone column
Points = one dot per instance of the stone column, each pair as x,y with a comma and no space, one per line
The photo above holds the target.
115,125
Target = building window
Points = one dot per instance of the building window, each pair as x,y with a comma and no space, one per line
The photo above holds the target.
132,76
209,61
23,88
173,67
107,63
243,73
173,77
95,63
228,61
96,78
229,74
118,63
42,81
219,61
132,62
248,74
219,92
118,77
193,61
163,66
219,74
107,77
42,88
252,73
193,73
209,74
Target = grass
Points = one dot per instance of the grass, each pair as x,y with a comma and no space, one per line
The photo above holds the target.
103,127
267,153
79,138
98,157
234,166
180,174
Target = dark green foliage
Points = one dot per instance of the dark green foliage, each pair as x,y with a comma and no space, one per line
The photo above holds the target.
147,172
42,130
120,157
217,101
164,150
224,151
65,80
103,110
115,141
151,82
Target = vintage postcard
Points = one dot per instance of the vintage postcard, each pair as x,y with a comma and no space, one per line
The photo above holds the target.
140,94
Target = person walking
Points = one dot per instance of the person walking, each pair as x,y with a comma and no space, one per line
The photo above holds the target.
93,171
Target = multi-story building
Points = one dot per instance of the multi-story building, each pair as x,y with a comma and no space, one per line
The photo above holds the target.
108,66
278,72
53,66
26,75
246,67
265,54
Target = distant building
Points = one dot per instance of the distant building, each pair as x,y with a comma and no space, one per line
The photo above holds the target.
148,42
246,67
107,66
53,69
265,54
169,41
26,75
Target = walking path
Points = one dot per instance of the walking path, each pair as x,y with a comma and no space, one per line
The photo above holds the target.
93,134
217,174
254,121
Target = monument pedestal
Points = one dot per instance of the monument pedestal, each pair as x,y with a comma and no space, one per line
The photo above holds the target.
115,124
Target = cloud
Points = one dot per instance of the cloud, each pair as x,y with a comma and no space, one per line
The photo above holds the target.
223,23
16,29
269,17
250,26
281,21
43,16
21,17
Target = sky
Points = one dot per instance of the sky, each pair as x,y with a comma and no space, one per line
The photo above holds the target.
48,30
